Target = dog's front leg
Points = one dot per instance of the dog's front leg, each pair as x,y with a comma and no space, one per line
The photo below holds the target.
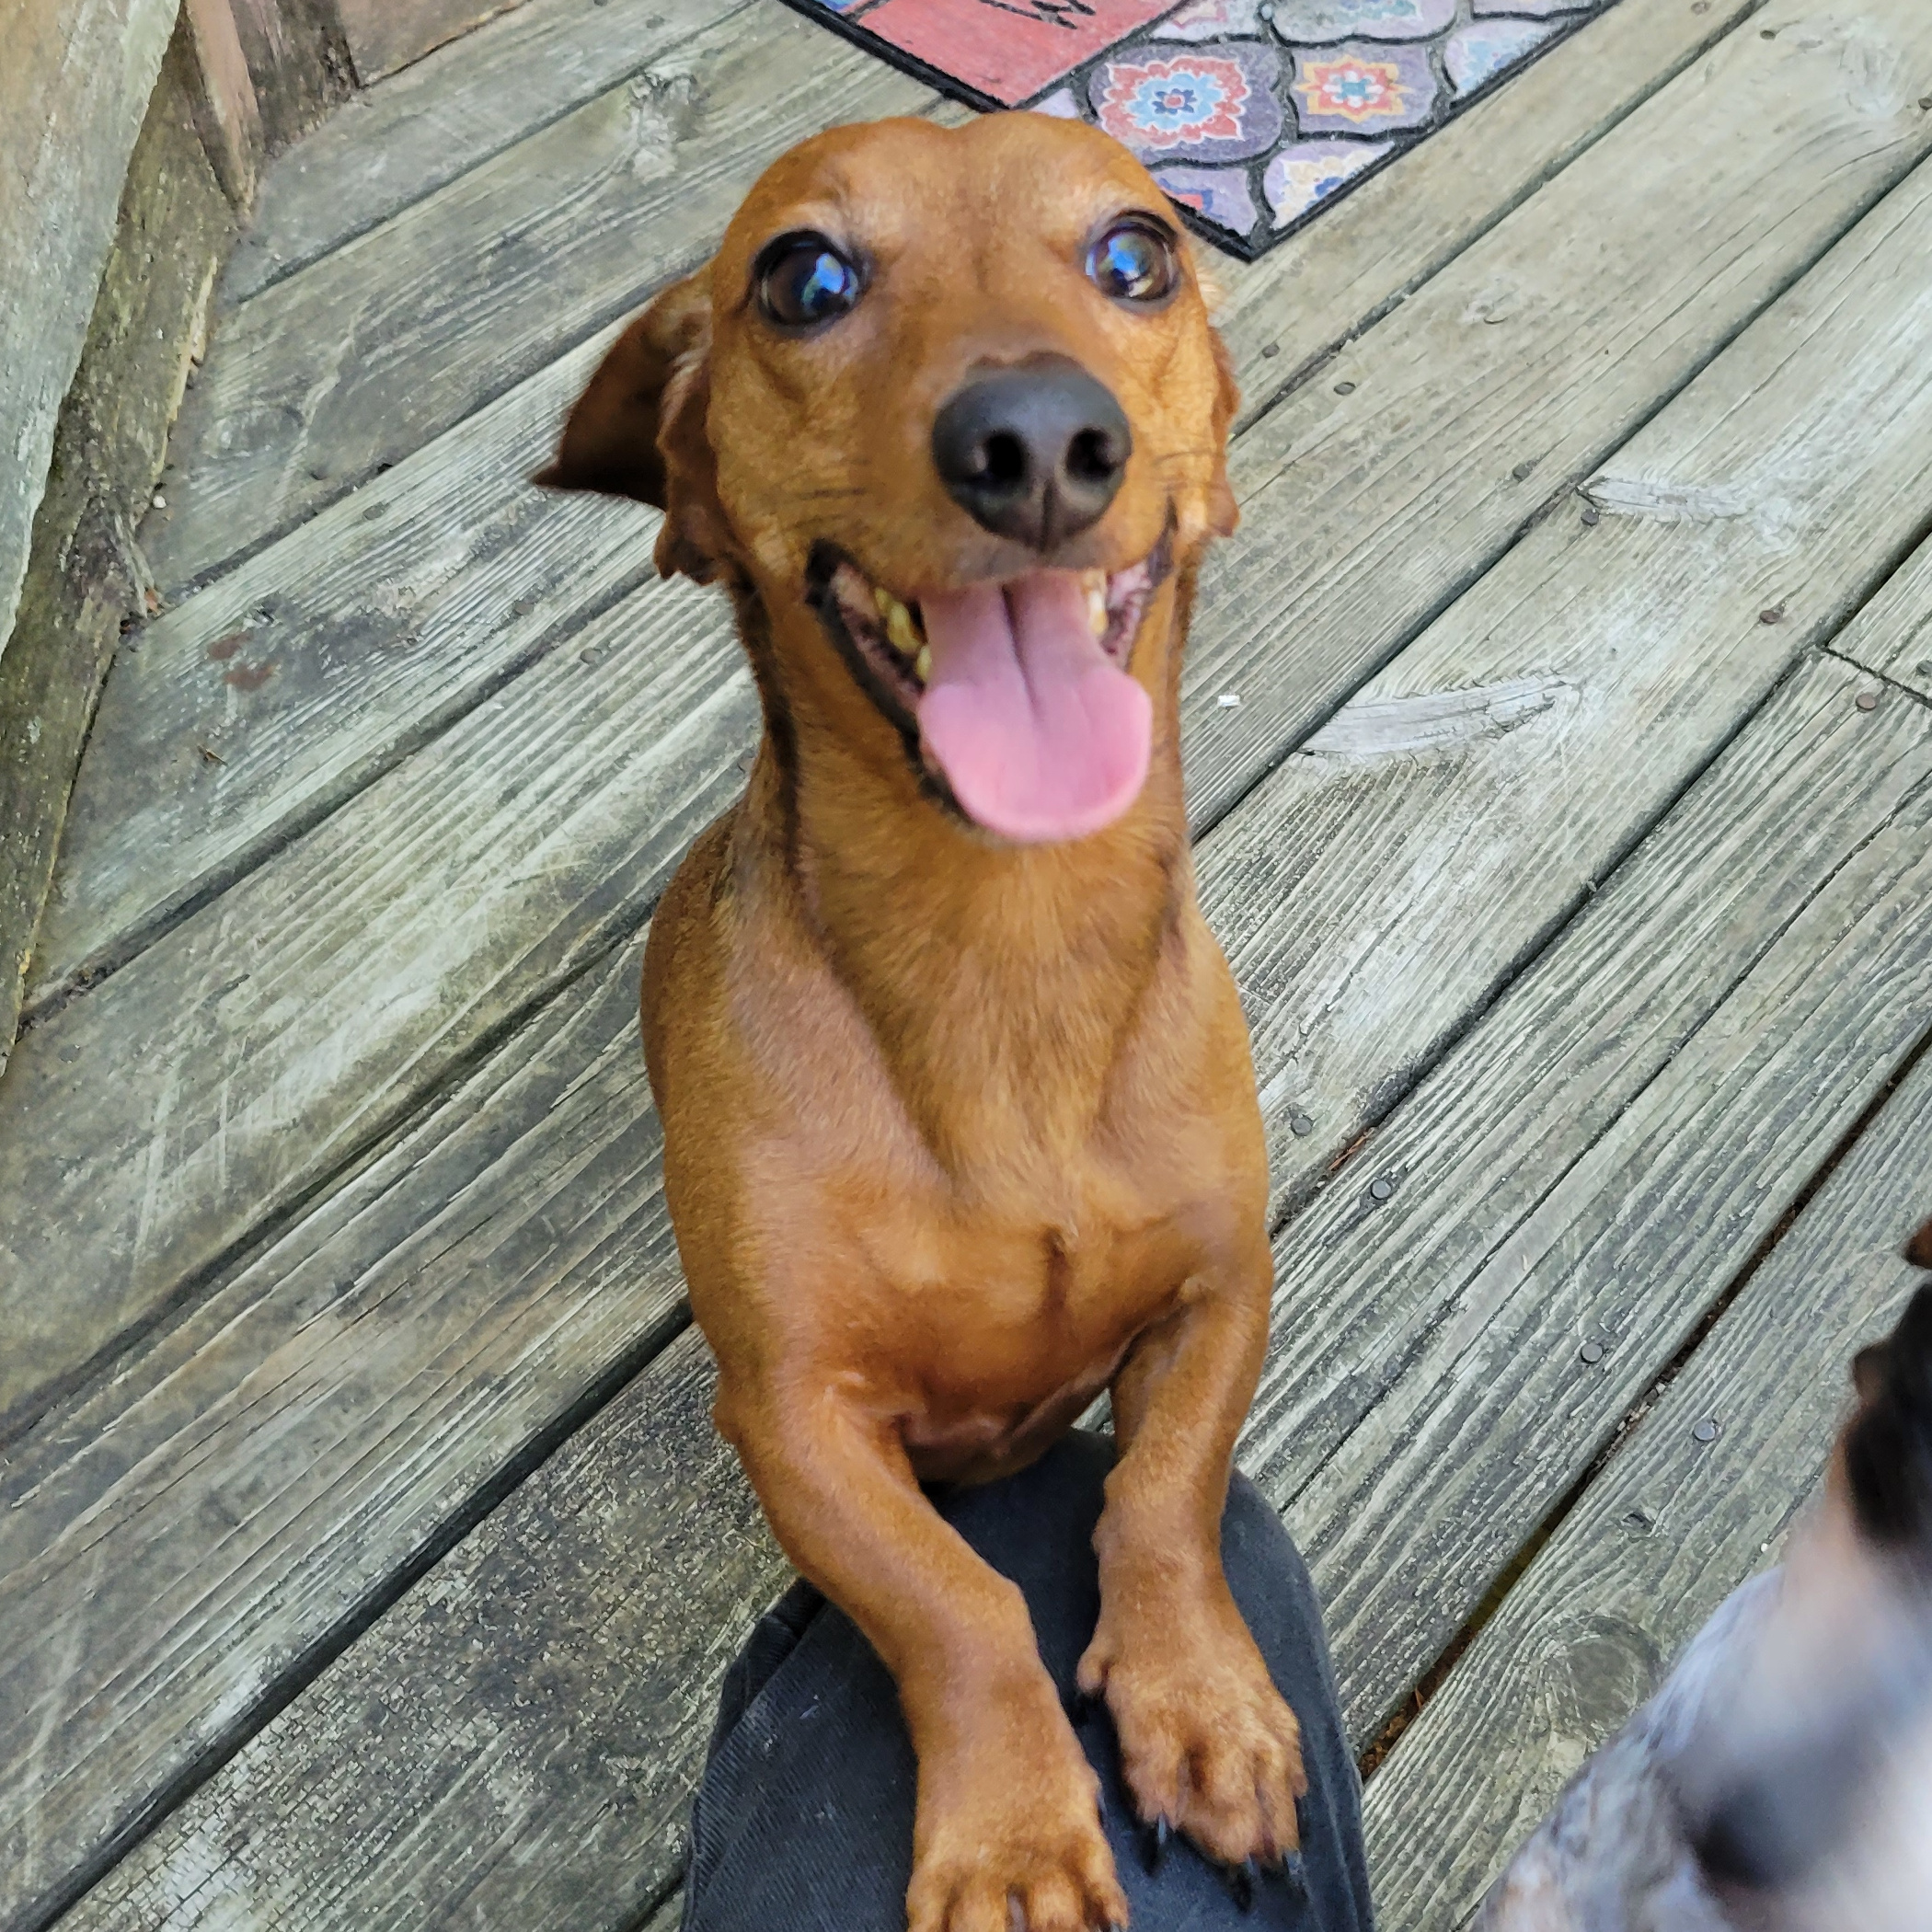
1207,1742
1007,1804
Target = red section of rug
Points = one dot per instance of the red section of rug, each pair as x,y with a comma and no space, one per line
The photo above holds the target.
1008,49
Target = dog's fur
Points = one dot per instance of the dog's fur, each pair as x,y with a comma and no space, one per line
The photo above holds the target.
1781,1781
960,1132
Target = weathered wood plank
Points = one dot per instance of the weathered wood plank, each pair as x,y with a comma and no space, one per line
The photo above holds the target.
421,129
1657,1541
464,295
350,1395
1459,1406
248,1842
78,74
1578,583
234,720
84,578
297,61
1416,485
383,35
545,1683
1306,296
1510,376
1638,632
352,974
1892,635
226,111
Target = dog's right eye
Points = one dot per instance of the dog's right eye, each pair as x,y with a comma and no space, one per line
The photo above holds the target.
802,281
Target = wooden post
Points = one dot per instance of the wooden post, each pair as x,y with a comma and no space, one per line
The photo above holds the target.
226,114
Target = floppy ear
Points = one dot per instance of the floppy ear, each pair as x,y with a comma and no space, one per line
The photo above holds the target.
639,429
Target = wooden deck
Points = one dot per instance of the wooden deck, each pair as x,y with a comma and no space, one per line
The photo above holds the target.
367,1558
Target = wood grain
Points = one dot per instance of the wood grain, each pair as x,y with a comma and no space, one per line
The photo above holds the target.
383,35
354,1393
226,111
1657,1541
1366,1287
1461,1406
1893,636
544,1686
417,131
1502,384
84,579
1647,638
383,344
78,74
236,719
437,907
1790,387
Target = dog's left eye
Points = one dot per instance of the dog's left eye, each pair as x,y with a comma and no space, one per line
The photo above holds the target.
1133,263
803,280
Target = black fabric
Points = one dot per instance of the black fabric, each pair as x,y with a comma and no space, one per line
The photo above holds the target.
804,1818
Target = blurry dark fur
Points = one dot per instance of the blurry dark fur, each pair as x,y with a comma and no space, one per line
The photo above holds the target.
1888,1449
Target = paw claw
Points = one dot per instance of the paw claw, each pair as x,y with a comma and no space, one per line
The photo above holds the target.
1297,1872
1153,1843
1241,1881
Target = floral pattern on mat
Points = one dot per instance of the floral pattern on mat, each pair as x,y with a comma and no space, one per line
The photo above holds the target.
1254,115
1204,104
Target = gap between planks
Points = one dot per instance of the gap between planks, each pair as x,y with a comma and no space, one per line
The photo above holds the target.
394,143
1739,421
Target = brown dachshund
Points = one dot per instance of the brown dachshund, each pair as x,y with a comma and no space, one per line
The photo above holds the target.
959,1117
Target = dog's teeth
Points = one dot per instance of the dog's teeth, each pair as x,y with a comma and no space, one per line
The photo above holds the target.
884,599
1097,609
899,629
923,663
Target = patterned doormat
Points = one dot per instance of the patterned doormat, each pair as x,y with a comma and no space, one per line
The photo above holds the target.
1254,115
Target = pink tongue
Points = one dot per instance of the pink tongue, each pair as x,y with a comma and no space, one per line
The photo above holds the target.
1041,735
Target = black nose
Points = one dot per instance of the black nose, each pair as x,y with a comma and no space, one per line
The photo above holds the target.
1034,453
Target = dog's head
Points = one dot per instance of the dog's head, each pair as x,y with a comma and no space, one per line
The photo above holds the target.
946,409
1809,1805
1782,1780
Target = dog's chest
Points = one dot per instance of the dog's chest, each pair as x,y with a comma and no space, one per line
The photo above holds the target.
1004,1327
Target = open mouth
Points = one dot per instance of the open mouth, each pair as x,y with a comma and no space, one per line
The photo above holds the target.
1014,698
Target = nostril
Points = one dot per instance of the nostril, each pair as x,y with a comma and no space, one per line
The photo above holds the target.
1093,456
1003,461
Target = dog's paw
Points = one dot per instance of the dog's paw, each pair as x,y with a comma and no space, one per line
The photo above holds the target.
1014,1840
1208,1745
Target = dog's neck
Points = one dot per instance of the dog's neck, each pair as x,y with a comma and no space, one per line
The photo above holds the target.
1000,983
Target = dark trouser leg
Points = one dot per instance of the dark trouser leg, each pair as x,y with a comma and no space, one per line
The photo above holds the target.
804,1820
